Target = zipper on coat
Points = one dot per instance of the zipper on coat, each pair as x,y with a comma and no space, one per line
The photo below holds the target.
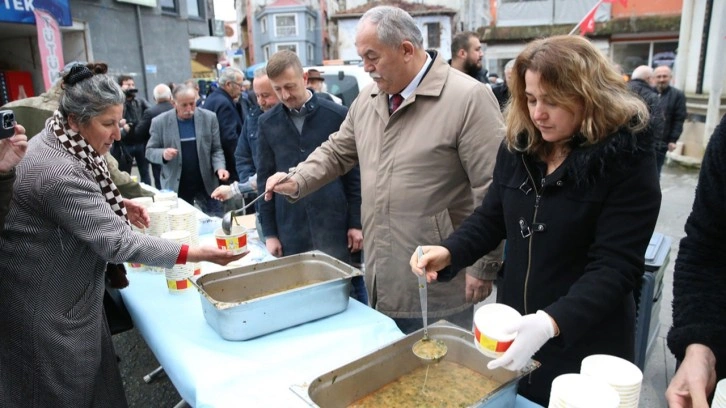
538,196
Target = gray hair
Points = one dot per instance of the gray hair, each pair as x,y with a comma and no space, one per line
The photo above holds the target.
393,26
643,72
182,89
260,72
90,97
162,92
508,66
229,74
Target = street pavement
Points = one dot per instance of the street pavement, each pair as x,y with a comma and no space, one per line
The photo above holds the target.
677,185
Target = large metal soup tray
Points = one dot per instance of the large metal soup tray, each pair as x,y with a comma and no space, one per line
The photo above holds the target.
351,382
275,298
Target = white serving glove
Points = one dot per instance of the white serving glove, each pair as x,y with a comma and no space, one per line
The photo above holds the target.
533,331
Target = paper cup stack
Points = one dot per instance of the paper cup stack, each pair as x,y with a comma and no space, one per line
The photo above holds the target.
159,215
169,197
582,391
177,278
622,375
719,398
185,219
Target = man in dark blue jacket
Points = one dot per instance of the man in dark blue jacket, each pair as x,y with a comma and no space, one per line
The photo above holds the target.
328,219
246,153
225,102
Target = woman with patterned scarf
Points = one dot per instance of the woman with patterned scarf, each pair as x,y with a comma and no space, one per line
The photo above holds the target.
66,222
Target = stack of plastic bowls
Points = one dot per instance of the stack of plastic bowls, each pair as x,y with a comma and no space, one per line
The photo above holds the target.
582,391
169,197
177,277
719,398
624,376
145,202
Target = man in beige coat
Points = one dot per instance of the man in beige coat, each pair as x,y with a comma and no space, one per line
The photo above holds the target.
423,167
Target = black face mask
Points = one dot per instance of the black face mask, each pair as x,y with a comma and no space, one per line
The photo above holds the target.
131,92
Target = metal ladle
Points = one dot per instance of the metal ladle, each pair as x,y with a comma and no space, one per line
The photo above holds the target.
228,216
427,349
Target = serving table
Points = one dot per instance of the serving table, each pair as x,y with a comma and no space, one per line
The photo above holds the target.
209,371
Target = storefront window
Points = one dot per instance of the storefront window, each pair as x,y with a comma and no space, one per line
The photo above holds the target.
630,55
168,5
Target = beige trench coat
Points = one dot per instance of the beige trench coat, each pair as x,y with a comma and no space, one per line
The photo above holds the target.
423,171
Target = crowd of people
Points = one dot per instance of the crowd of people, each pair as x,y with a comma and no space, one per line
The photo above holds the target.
549,187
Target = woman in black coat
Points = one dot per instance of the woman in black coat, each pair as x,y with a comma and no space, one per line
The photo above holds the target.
576,195
699,286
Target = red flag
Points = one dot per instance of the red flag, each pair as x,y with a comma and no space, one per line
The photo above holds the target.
623,2
50,46
587,25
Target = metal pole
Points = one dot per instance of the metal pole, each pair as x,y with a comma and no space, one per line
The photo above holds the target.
591,10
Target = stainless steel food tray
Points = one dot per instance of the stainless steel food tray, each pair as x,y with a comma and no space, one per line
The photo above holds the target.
345,385
250,301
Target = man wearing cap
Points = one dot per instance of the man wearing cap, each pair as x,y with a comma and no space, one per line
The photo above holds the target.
316,83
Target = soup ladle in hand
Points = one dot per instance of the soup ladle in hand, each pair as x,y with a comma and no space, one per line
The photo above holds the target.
427,349
228,216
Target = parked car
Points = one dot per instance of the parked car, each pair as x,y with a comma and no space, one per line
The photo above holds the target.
344,81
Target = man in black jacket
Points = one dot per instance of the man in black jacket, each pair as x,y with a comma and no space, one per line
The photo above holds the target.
328,219
673,104
133,145
640,84
162,96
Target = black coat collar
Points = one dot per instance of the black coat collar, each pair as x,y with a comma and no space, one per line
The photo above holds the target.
614,154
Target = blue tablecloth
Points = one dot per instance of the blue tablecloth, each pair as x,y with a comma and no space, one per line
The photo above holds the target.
209,371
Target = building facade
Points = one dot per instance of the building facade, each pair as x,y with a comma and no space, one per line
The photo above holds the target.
436,22
148,39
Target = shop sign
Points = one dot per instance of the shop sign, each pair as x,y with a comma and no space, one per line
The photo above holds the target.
50,46
21,11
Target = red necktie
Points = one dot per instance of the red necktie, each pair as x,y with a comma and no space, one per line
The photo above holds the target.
396,101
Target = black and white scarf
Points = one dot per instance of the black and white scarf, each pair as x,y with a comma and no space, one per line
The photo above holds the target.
77,145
